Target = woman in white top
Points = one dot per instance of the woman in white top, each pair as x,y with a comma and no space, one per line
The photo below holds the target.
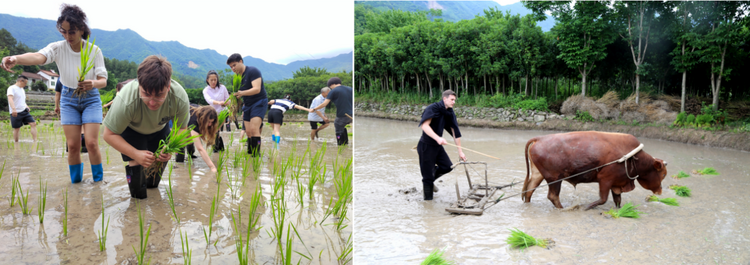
216,96
76,111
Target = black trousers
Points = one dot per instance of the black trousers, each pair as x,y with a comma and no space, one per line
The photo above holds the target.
433,162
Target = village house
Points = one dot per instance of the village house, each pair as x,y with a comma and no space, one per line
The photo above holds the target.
49,77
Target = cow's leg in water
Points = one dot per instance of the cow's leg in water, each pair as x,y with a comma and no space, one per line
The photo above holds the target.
554,194
603,195
616,197
534,181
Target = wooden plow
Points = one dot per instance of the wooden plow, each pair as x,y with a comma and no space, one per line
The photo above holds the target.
479,196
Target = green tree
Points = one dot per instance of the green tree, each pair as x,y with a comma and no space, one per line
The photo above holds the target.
635,21
307,71
725,22
582,29
687,38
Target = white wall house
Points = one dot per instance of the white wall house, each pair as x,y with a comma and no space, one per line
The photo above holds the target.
51,78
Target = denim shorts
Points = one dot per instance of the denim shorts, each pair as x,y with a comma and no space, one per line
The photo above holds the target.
256,110
76,110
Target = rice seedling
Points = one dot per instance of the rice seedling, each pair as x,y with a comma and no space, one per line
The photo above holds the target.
65,213
254,204
143,245
170,195
278,212
519,239
211,214
186,252
189,167
286,254
3,170
681,191
707,171
257,163
176,142
436,258
220,165
627,210
315,177
232,105
107,97
245,167
236,159
301,194
345,257
681,175
230,185
23,201
243,246
102,234
87,63
42,200
107,155
667,201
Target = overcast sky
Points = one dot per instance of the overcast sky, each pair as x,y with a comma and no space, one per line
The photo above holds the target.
275,31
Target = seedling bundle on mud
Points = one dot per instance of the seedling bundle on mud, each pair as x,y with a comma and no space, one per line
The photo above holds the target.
436,258
519,239
667,201
627,210
681,191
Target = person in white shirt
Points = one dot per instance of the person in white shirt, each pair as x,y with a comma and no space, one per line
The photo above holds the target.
216,96
318,116
276,115
84,109
19,111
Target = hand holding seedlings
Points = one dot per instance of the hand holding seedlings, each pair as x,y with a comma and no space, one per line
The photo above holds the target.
144,158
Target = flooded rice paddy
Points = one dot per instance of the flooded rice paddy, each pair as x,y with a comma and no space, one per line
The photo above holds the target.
310,216
710,227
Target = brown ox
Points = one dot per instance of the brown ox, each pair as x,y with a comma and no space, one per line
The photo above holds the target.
557,156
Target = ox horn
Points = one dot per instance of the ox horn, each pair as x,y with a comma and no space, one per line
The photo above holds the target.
665,163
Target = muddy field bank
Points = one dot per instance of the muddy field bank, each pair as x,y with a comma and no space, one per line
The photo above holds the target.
721,139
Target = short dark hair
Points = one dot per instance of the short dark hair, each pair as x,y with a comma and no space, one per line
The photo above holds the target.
213,72
234,58
449,93
22,77
154,73
75,17
333,81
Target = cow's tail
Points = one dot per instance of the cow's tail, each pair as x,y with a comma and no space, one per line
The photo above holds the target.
526,182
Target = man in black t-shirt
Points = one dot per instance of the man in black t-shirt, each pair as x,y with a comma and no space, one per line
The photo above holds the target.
253,95
343,98
433,160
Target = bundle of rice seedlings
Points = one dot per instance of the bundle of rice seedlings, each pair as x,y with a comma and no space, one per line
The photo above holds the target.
681,175
519,239
707,171
107,97
436,258
627,210
667,201
87,63
176,141
232,103
681,191
223,115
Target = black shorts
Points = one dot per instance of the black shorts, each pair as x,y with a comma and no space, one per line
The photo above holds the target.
275,116
23,118
143,142
256,110
314,124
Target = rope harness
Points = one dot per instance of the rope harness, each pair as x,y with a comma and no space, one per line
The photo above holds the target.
623,159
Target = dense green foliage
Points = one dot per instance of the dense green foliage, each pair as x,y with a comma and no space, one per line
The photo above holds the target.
594,47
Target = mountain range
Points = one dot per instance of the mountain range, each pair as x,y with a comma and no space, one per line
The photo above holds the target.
125,44
457,10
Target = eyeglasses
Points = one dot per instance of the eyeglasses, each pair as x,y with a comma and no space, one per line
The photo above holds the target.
67,32
154,98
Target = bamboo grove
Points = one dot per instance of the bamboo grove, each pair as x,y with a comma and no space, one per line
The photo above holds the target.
594,47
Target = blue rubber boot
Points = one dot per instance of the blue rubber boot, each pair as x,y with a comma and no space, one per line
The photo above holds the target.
76,173
98,172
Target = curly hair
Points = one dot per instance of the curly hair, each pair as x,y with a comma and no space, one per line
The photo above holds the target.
208,129
75,17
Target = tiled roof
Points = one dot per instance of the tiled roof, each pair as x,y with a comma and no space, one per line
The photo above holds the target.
49,73
33,76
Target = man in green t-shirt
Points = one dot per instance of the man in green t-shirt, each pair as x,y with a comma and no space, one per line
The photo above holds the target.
138,120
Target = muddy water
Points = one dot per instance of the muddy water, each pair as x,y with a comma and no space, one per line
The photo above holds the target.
712,226
25,240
